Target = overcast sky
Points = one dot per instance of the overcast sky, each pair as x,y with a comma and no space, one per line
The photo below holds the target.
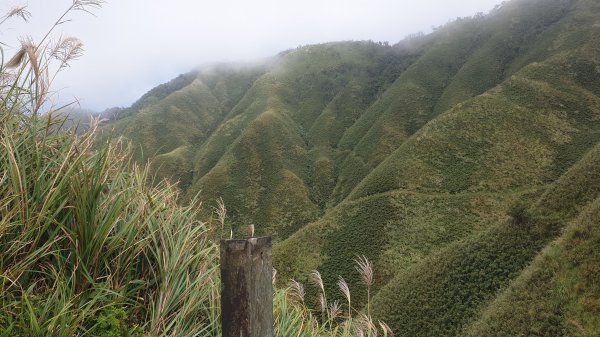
133,45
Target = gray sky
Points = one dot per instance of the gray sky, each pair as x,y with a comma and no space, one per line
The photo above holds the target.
133,45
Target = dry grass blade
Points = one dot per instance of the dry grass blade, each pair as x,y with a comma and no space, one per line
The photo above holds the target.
322,303
366,324
31,50
7,78
17,59
343,285
28,49
387,331
297,290
365,268
67,49
334,310
317,280
17,11
221,212
87,5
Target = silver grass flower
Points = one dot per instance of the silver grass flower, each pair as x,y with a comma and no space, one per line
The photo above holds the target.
297,289
365,268
317,280
67,49
87,5
334,310
387,331
17,11
346,292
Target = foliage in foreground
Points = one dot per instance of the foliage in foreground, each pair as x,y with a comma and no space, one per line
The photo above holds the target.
88,247
81,232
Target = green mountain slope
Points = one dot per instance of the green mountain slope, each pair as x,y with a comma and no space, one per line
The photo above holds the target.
181,115
453,161
558,293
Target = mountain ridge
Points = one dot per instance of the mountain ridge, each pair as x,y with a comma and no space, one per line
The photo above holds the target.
436,154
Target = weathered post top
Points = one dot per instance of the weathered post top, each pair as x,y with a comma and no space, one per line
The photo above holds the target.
246,288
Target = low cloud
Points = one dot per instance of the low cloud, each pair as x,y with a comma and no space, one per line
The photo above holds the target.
133,45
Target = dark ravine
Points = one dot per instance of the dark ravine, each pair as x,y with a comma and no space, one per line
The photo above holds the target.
460,162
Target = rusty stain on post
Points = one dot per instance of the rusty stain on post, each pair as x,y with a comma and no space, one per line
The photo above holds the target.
246,288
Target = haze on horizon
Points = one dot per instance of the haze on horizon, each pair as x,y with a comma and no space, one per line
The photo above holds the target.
132,46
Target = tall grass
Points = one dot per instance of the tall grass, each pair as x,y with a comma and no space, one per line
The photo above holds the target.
82,233
335,320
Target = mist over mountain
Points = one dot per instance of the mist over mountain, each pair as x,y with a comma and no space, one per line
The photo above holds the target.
464,163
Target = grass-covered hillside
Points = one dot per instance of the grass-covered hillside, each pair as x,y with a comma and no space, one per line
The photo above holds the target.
89,245
463,163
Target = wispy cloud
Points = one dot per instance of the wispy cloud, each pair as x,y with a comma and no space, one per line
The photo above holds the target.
129,42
